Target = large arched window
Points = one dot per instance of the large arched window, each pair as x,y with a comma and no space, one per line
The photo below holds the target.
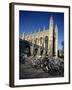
36,41
41,41
46,43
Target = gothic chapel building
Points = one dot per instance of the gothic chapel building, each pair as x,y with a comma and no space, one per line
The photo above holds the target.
44,42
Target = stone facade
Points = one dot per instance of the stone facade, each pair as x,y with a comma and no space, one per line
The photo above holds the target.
44,42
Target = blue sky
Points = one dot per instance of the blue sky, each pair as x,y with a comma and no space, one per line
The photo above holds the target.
30,21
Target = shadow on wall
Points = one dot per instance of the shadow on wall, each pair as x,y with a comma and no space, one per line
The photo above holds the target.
25,48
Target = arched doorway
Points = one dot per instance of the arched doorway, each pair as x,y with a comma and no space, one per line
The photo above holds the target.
46,45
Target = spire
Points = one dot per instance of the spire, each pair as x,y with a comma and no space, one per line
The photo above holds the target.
56,41
51,18
43,28
51,22
56,28
39,30
23,35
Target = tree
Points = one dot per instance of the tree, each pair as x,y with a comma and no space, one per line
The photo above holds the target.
62,45
62,48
